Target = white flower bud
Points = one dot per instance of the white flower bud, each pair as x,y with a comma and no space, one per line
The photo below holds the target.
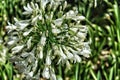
80,18
11,27
22,24
56,31
43,3
48,60
30,74
46,73
53,76
28,9
81,35
77,58
43,40
27,32
85,53
17,49
29,42
11,42
58,22
69,55
41,52
34,20
74,29
62,54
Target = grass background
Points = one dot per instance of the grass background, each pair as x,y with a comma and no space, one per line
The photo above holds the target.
103,21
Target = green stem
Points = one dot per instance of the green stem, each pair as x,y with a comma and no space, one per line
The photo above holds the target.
60,70
77,72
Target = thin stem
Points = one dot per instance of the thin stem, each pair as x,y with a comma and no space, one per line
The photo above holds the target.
77,72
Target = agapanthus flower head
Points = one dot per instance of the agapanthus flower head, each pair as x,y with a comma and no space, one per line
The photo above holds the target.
50,34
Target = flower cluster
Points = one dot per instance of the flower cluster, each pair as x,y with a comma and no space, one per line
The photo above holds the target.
52,33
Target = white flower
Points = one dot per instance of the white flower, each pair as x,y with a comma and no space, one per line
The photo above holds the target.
78,18
53,77
73,15
83,29
56,31
52,74
25,54
62,54
43,39
48,60
43,3
28,9
41,52
11,27
85,53
29,42
30,74
22,24
27,32
17,49
46,73
11,42
69,54
35,19
70,14
58,22
81,35
77,58
63,57
74,29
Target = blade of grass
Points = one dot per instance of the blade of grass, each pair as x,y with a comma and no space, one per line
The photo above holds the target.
111,74
93,74
77,72
99,75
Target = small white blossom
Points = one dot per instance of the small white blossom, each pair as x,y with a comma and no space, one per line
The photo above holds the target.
74,29
78,18
56,31
29,42
46,73
43,40
11,42
48,60
58,22
43,3
81,35
62,54
69,55
77,58
52,74
27,32
85,53
11,27
35,19
30,74
17,49
22,24
41,52
28,9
